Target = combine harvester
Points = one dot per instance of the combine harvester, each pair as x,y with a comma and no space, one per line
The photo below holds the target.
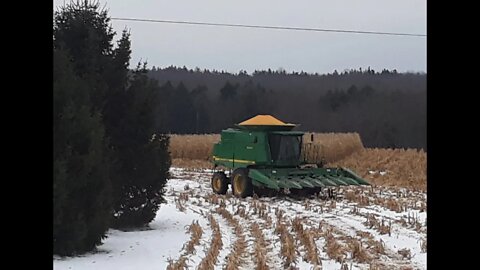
263,155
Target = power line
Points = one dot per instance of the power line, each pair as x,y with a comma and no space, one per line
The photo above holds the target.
271,27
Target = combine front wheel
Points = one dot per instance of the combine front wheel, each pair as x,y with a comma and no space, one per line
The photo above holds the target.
241,184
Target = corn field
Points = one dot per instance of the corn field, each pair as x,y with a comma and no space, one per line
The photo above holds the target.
391,167
324,146
358,228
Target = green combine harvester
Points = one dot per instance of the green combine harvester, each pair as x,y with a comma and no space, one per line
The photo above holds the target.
263,156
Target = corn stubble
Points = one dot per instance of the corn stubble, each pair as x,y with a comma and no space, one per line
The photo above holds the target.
297,235
381,226
260,250
288,248
333,248
307,240
359,253
235,258
211,257
196,232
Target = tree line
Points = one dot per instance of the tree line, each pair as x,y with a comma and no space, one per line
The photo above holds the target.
387,108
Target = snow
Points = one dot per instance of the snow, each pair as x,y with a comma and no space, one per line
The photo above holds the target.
167,234
147,249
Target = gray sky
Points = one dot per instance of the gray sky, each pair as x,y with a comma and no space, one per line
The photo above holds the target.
234,49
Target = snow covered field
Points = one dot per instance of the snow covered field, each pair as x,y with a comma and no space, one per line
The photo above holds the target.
363,228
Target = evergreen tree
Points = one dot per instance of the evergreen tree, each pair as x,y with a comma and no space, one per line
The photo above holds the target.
81,184
144,160
83,30
228,91
107,104
254,100
182,111
200,103
162,111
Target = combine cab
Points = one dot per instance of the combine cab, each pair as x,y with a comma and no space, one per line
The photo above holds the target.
263,155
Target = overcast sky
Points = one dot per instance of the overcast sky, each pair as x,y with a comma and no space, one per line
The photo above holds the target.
234,49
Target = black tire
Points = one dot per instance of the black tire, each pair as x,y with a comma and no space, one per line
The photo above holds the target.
241,184
219,183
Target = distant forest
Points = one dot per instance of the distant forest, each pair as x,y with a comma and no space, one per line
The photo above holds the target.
387,108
